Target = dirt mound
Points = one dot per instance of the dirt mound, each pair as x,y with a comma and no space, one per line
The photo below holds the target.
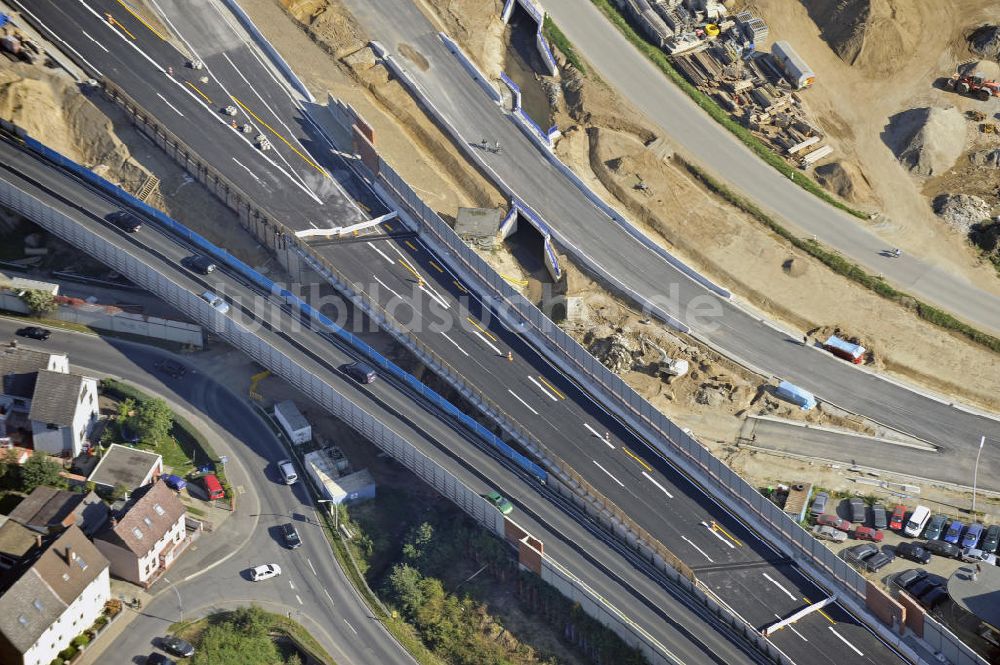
927,141
985,41
874,35
961,211
51,109
845,180
985,68
986,158
341,33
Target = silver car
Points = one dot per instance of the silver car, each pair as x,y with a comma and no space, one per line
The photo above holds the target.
975,555
829,533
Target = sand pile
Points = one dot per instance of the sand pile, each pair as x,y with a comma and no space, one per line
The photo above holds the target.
961,211
927,141
874,35
845,180
985,41
50,109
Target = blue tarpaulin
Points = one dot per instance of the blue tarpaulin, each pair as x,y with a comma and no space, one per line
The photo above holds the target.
791,392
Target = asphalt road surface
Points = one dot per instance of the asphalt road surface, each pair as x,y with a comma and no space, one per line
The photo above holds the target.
213,574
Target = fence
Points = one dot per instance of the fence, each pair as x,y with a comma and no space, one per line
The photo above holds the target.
946,643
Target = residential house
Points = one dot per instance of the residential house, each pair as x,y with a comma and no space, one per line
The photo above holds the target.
126,466
50,599
40,397
49,510
145,538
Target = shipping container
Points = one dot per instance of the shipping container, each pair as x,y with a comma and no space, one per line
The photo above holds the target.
797,72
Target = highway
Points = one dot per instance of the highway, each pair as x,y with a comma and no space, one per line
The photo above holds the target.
212,574
569,537
637,480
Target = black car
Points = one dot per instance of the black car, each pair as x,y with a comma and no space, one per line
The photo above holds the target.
125,221
857,506
879,520
913,552
199,263
991,540
360,372
159,659
291,536
934,597
921,587
177,646
942,548
171,368
935,527
908,578
34,332
878,561
859,553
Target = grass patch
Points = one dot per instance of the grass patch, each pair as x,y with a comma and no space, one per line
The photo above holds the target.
560,41
720,115
842,266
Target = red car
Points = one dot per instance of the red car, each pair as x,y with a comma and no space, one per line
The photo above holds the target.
898,515
834,521
868,533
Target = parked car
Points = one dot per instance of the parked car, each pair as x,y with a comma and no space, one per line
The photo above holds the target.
834,521
34,332
174,482
829,533
177,646
898,517
976,555
879,517
360,372
171,368
868,533
973,533
819,503
942,548
857,507
922,586
991,540
953,532
878,561
199,263
125,221
934,597
217,303
935,527
913,552
265,572
502,504
908,578
159,659
291,536
859,553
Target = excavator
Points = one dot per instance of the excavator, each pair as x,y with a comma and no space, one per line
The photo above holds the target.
974,86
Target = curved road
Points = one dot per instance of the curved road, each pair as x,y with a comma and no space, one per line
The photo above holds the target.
211,575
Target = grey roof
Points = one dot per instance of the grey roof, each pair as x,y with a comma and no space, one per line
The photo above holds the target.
16,540
56,397
477,222
48,508
153,510
18,366
124,465
42,592
291,413
981,596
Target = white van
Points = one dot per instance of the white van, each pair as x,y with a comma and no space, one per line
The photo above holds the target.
918,520
287,470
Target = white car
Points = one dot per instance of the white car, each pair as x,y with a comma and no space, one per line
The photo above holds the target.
265,572
974,555
217,303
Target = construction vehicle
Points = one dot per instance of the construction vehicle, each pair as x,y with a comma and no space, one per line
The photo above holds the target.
973,86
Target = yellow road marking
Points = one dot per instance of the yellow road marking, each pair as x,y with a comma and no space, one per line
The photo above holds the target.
407,265
436,267
637,459
481,329
726,534
388,226
551,387
513,280
410,245
113,22
141,20
198,90
460,287
821,611
283,139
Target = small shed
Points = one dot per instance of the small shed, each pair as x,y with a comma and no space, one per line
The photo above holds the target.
130,467
792,393
325,469
293,422
798,500
479,226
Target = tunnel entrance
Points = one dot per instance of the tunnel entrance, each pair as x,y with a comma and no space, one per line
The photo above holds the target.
524,66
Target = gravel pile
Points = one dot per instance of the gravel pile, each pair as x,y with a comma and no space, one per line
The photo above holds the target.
927,141
985,41
961,211
986,158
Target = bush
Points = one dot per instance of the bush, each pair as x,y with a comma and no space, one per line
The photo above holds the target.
80,641
39,303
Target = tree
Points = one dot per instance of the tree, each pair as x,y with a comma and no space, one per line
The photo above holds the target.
417,540
10,470
39,303
40,469
126,410
152,421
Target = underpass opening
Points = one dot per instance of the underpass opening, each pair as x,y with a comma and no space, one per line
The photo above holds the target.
527,247
523,64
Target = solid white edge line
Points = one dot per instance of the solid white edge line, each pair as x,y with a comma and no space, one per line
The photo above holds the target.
547,393
176,110
518,398
778,584
384,255
252,174
654,481
375,277
87,35
844,640
454,342
56,36
703,552
608,472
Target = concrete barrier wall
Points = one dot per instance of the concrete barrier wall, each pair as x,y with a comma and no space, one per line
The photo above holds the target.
946,643
470,67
